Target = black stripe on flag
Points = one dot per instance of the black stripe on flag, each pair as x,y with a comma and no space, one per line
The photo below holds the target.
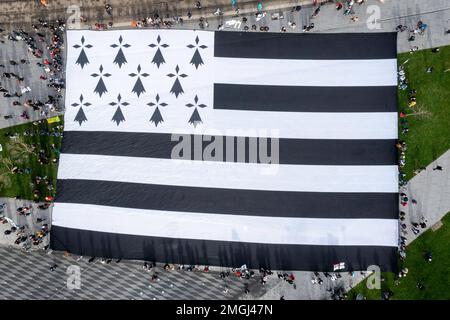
220,253
313,46
229,201
305,99
291,151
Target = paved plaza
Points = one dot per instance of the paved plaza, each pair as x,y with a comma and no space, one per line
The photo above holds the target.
27,275
31,72
431,190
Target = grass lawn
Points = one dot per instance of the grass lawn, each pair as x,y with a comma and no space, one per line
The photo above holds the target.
429,136
433,275
18,184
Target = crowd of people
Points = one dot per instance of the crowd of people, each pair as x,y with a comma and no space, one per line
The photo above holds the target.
44,43
155,20
23,235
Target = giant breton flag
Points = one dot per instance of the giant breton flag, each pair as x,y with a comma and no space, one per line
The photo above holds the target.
230,148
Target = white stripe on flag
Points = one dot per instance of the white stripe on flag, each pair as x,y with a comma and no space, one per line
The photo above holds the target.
221,227
213,174
322,73
301,125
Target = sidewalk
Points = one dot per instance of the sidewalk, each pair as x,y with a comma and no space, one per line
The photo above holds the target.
24,11
431,189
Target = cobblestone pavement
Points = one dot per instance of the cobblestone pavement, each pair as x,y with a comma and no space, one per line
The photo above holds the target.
28,276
